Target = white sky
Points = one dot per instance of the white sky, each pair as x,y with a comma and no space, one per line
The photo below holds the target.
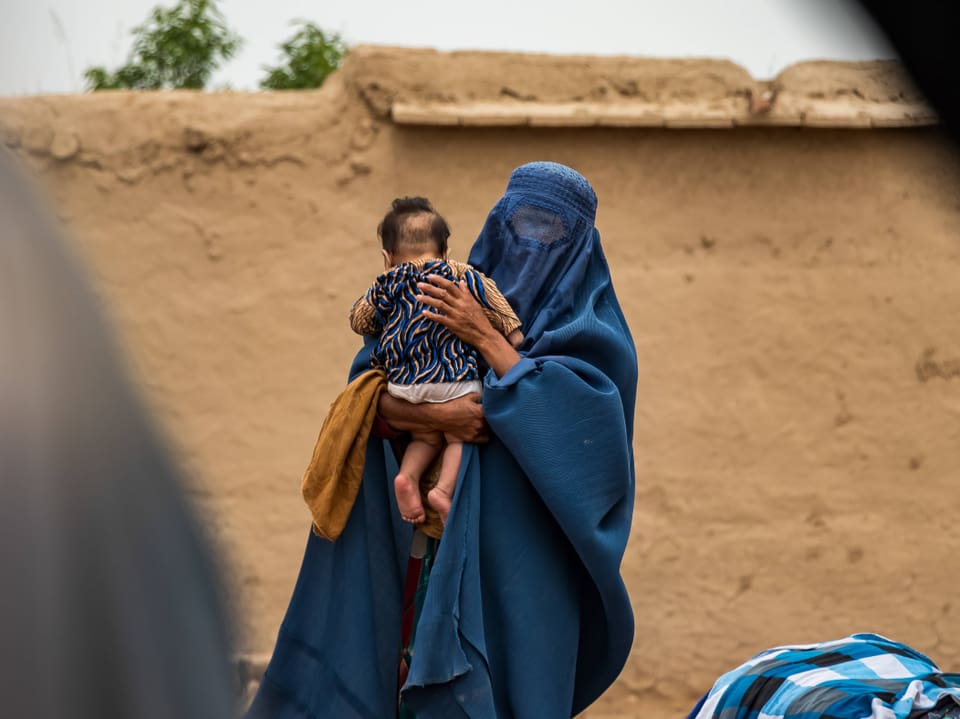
46,44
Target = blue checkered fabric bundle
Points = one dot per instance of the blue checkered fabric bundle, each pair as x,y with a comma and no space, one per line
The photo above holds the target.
863,676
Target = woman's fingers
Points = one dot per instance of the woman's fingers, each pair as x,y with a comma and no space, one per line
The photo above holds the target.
453,306
464,419
432,301
436,309
438,294
439,291
440,284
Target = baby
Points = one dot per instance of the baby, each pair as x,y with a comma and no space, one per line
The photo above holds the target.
423,360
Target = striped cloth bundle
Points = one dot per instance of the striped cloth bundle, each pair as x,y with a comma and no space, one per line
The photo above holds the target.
863,676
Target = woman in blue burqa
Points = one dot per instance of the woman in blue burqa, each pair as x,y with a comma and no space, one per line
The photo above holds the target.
521,610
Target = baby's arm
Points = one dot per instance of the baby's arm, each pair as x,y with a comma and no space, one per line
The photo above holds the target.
363,316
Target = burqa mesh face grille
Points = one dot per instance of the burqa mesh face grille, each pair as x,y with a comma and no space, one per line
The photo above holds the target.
537,224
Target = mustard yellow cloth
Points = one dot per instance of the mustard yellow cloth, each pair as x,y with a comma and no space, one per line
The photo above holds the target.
332,479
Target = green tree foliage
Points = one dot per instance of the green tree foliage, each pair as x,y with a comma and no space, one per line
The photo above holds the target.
175,48
308,57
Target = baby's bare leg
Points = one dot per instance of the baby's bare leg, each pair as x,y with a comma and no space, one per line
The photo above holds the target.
441,496
418,455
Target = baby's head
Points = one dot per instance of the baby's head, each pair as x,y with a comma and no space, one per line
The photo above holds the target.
412,230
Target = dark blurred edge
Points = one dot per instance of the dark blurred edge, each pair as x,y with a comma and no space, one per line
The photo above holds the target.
925,35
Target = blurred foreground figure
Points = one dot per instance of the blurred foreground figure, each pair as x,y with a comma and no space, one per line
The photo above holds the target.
109,606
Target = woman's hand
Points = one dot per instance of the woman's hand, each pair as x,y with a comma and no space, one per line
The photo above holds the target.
458,310
451,305
461,417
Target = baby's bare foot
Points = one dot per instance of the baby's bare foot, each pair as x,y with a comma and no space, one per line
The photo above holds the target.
408,499
440,500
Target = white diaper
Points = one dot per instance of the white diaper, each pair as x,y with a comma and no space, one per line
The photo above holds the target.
433,392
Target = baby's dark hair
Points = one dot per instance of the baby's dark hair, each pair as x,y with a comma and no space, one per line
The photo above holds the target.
412,223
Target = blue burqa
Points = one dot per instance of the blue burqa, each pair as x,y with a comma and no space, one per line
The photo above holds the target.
526,615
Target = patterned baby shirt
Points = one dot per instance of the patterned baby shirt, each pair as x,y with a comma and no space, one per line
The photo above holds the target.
411,348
